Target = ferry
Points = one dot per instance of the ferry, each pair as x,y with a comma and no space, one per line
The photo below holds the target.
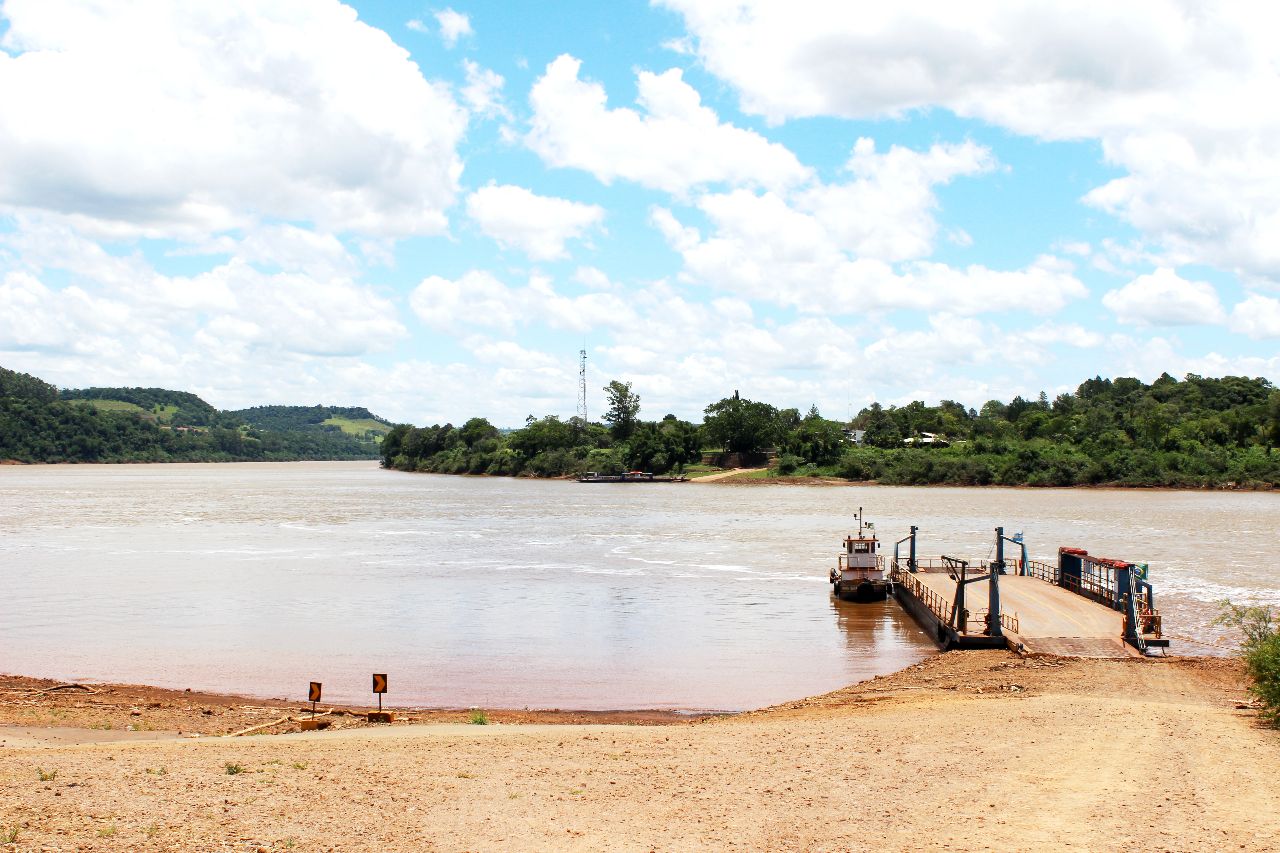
630,477
859,573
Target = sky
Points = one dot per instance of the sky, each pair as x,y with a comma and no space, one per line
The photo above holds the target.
430,210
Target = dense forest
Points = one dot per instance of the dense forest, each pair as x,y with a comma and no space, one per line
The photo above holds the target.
1195,432
39,423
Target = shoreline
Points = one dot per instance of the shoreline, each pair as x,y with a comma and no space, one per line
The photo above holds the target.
725,478
138,709
743,478
123,711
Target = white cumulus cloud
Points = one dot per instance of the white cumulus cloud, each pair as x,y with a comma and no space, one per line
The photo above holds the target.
168,119
537,225
483,90
1257,316
1164,298
675,143
453,26
887,210
760,247
1184,97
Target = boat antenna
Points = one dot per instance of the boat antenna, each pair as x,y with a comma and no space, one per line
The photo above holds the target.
859,522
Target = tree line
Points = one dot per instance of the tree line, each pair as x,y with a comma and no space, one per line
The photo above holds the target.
1194,432
39,423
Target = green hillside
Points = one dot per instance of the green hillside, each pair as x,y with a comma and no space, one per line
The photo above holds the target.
356,424
359,427
179,408
39,423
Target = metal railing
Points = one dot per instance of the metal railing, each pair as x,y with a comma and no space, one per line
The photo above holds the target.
842,562
934,565
1043,571
1092,588
937,605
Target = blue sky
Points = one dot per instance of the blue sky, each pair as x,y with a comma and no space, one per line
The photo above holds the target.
429,209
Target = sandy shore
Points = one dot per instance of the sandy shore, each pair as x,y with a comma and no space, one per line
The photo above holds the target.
966,751
138,712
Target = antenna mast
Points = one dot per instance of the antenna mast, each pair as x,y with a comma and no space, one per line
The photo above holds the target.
582,387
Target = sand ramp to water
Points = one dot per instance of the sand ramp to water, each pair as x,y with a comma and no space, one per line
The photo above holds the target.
961,752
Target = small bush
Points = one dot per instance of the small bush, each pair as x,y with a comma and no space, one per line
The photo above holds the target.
234,769
788,463
1260,650
9,835
479,718
46,775
1263,662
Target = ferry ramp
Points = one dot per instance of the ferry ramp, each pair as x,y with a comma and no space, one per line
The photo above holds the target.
1048,618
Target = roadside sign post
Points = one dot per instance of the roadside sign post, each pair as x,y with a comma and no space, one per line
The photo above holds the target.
380,687
313,696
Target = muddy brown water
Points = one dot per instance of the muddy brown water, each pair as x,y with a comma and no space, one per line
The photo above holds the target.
492,592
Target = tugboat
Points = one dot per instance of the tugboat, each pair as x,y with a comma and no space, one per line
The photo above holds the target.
859,573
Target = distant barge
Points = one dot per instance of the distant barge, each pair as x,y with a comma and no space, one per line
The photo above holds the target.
629,477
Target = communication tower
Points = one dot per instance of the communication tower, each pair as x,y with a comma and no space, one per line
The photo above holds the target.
582,386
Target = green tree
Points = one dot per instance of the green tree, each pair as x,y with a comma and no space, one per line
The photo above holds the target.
476,430
624,409
741,426
816,440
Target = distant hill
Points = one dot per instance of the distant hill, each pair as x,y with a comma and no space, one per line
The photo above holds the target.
39,423
355,421
174,408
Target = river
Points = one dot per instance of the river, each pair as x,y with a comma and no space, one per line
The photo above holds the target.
493,592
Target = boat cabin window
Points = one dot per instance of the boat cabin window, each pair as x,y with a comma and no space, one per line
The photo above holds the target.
862,547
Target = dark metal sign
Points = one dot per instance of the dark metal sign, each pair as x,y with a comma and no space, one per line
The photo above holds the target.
313,695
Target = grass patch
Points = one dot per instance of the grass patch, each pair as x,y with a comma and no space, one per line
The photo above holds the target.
357,427
466,775
157,771
479,718
299,765
9,835
153,830
107,831
113,406
46,775
234,769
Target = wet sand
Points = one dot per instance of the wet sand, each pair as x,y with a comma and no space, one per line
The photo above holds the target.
964,751
94,712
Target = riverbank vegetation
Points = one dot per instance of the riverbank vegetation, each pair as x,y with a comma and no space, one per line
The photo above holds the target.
39,423
1260,649
1189,433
